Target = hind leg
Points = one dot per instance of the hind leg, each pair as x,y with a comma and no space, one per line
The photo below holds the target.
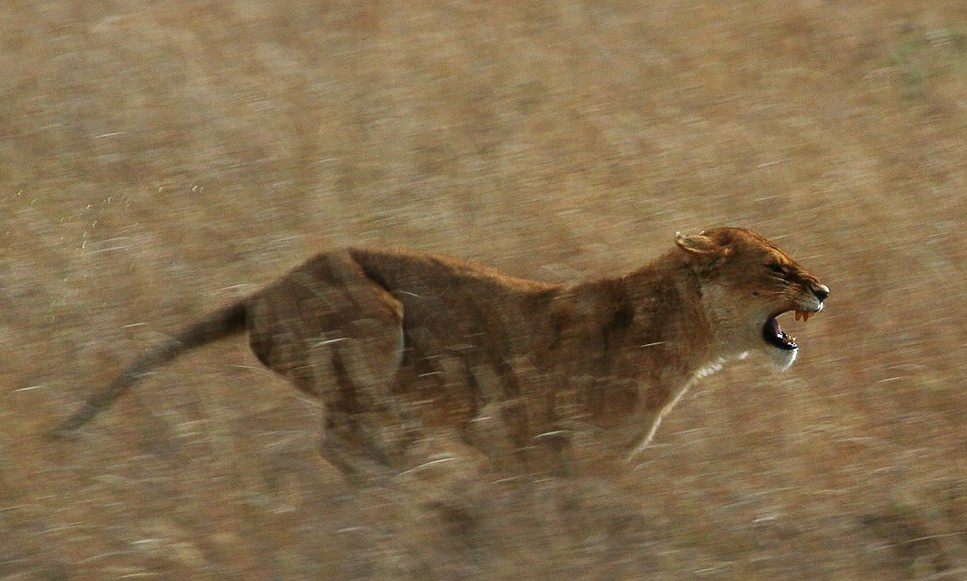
338,335
354,454
357,430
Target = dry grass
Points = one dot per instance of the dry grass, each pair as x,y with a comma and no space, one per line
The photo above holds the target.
160,158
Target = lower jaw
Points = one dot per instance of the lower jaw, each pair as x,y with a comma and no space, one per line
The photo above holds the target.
782,359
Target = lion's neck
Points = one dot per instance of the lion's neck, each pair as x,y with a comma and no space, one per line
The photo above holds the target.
671,339
674,310
652,320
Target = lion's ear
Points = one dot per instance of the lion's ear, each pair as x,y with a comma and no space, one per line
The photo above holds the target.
697,244
700,245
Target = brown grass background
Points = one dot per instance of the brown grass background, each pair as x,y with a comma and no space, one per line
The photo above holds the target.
159,159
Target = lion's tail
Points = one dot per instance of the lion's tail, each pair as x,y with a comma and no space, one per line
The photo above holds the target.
223,323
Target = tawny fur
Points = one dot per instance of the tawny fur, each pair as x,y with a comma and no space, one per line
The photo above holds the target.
396,344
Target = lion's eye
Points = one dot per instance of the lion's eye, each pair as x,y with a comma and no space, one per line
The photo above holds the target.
777,268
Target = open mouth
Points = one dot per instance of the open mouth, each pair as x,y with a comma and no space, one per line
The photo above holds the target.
775,336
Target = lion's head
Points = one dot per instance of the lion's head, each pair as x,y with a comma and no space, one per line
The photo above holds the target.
747,283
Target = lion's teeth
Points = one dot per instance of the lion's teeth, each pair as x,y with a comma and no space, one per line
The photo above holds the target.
798,314
805,316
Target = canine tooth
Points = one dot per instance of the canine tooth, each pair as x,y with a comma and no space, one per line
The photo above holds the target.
805,316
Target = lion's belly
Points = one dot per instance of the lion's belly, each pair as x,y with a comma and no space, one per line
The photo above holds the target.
458,389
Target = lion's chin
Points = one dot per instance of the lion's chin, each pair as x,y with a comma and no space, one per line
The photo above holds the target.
782,359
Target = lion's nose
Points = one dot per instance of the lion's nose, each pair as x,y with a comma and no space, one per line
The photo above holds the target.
821,292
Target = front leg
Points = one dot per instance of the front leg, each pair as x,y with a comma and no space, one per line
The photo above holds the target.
654,418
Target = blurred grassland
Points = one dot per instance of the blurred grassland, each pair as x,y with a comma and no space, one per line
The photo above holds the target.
158,159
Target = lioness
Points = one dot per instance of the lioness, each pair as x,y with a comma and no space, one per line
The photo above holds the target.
397,343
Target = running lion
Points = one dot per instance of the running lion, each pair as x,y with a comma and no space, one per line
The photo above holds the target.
396,344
